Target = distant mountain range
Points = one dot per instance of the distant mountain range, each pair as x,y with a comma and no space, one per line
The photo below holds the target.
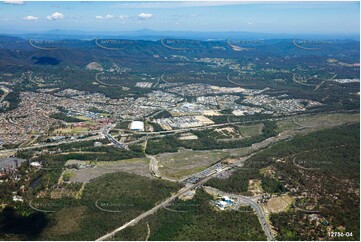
75,50
147,34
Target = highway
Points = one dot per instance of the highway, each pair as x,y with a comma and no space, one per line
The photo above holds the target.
105,131
211,174
157,207
262,145
95,137
182,130
258,209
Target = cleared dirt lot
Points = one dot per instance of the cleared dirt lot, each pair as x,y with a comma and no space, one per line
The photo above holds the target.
278,204
137,166
238,132
319,120
250,130
187,162
255,186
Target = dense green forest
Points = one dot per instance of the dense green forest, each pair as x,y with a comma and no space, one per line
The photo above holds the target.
238,182
317,167
53,163
127,195
196,219
166,144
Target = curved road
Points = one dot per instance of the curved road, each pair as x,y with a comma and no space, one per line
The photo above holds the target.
105,131
255,206
261,216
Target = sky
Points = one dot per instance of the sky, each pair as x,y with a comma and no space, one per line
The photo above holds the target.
259,17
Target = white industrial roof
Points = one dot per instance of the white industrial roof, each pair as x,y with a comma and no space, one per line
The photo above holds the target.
137,125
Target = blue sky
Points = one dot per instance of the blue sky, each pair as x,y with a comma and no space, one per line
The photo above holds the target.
261,17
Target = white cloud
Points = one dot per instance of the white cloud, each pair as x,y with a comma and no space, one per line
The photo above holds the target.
123,16
30,18
144,16
16,2
55,16
180,4
108,16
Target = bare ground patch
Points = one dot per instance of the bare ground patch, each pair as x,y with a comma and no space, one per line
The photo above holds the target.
187,162
137,166
278,204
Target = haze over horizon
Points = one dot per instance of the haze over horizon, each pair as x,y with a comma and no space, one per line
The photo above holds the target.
319,18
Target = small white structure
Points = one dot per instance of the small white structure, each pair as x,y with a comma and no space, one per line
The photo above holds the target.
17,198
137,126
35,164
97,144
238,112
224,202
221,204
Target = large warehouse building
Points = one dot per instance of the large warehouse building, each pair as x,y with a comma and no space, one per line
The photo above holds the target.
137,126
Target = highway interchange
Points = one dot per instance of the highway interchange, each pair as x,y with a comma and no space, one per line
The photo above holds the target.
265,144
212,172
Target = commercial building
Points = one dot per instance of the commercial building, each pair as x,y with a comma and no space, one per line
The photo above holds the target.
137,126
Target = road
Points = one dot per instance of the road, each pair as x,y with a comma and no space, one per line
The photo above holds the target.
162,78
105,131
50,144
157,207
203,180
319,85
234,83
259,146
6,92
182,191
154,168
244,122
182,130
160,133
254,205
261,216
